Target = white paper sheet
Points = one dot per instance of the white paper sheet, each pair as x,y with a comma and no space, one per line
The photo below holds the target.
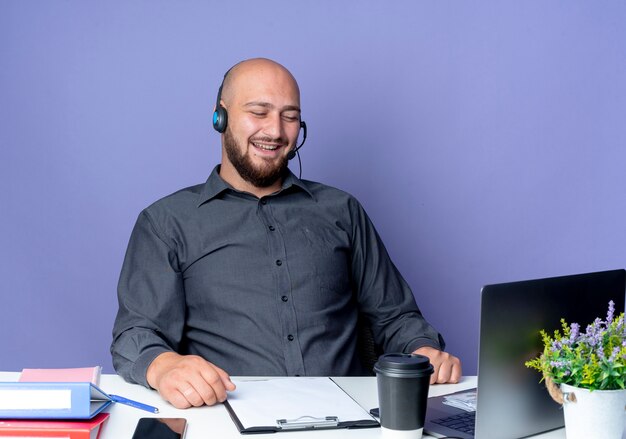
464,401
263,402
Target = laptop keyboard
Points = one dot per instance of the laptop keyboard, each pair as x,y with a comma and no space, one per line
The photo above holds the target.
462,422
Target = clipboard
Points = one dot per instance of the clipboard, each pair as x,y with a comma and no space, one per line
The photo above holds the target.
275,405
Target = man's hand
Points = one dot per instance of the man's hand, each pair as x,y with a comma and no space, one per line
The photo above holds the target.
447,367
188,380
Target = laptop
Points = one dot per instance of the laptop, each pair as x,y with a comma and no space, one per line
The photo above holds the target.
510,400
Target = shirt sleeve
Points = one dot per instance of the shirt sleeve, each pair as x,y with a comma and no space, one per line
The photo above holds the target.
384,297
151,314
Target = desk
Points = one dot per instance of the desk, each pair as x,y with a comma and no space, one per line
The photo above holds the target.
214,422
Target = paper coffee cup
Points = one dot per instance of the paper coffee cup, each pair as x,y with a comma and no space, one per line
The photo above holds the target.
403,381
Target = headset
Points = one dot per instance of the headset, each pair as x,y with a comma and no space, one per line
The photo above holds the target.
220,120
220,116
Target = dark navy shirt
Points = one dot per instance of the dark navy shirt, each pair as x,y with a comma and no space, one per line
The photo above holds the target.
264,287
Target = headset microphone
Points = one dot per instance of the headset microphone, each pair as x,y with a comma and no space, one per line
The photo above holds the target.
293,152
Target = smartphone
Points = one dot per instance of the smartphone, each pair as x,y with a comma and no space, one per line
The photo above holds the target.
160,428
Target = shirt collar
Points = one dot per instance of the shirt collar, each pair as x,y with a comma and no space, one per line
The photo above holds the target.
214,186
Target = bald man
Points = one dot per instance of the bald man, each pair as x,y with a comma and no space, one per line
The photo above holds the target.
257,272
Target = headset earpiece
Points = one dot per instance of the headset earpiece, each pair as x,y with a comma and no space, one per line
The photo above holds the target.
220,118
220,115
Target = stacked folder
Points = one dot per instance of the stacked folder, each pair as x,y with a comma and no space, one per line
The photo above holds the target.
53,403
51,400
83,429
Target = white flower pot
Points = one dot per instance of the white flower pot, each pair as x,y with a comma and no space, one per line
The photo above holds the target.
594,414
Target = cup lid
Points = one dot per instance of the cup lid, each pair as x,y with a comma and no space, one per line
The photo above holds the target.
403,364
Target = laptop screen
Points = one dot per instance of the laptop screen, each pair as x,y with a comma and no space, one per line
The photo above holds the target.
511,401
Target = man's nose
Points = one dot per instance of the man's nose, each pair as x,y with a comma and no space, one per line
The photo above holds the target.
274,126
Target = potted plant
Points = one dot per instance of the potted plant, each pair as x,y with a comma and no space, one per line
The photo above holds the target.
586,373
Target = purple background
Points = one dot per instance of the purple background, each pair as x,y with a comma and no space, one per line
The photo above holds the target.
487,141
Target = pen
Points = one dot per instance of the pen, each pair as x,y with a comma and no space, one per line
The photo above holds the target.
136,404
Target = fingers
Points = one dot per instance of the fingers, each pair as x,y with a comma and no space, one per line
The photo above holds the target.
456,372
191,381
228,384
204,388
182,399
447,368
192,390
213,388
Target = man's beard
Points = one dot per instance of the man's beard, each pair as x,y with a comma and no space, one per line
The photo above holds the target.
263,176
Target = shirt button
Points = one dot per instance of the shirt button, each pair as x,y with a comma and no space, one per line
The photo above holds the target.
290,337
279,262
272,228
284,298
263,201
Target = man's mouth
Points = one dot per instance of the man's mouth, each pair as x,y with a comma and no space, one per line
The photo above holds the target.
266,146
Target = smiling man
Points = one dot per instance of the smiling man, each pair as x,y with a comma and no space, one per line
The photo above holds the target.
263,102
257,272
